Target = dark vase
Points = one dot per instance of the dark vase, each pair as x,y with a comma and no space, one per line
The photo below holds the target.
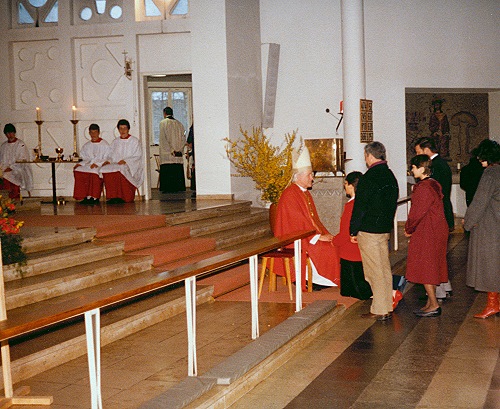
273,213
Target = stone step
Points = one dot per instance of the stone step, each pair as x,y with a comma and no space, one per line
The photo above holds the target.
106,225
46,276
150,238
63,257
209,212
38,352
179,249
191,258
37,239
228,238
227,222
28,204
41,287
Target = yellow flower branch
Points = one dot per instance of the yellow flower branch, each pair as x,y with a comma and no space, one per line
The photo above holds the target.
269,166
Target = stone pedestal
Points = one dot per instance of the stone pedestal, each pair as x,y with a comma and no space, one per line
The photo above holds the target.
329,198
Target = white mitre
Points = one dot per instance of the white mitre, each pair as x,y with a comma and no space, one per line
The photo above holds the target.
301,161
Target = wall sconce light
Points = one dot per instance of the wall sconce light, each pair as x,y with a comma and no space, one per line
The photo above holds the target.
127,65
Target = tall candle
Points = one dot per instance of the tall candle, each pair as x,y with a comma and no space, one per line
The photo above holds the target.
74,113
38,114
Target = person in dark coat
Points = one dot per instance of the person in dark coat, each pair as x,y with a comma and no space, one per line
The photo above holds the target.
371,223
441,172
470,175
426,225
482,219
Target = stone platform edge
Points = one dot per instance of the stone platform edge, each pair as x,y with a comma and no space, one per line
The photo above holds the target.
237,366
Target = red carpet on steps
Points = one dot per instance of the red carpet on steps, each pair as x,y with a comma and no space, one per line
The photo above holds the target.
169,254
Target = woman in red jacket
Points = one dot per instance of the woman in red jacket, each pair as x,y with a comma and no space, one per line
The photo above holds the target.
352,280
426,225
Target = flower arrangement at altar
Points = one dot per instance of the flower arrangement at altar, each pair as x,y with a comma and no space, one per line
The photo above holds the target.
269,166
12,251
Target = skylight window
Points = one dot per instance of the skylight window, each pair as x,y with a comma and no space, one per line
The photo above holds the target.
180,8
29,17
151,9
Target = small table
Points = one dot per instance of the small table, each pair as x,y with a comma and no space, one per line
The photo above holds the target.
53,168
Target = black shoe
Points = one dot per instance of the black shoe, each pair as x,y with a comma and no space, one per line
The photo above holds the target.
93,201
429,314
115,200
319,287
85,201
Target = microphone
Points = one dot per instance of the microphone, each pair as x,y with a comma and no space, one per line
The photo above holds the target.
328,112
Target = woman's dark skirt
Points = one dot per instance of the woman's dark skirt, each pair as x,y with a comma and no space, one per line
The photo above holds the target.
352,280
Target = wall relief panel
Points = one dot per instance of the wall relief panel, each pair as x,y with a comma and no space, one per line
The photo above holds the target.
99,74
37,74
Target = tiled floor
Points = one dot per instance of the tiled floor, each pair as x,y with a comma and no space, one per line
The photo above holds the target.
447,362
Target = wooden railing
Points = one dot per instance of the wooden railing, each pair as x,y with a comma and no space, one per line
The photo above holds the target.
90,304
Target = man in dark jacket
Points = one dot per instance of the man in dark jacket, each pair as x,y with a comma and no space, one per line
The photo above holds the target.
442,173
371,223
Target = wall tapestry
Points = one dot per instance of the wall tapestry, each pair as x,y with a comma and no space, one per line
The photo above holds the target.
458,122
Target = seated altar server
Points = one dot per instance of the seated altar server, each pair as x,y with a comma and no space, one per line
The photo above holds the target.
123,170
297,211
88,180
15,176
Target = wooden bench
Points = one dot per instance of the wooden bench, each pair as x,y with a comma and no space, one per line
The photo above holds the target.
90,305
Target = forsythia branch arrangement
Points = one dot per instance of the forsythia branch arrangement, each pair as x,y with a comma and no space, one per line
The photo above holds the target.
269,166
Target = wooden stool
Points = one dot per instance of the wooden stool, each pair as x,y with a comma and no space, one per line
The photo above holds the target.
286,255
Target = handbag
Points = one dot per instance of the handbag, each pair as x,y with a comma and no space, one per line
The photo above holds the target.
352,280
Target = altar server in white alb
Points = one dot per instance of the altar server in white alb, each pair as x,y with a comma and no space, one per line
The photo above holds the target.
88,180
15,176
123,170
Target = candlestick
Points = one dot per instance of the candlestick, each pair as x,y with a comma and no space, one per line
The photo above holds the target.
74,112
75,146
38,114
39,124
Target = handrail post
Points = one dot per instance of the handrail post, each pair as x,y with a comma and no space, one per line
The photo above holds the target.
396,245
190,288
254,298
297,247
5,349
93,335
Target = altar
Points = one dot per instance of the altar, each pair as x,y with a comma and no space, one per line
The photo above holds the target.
53,162
329,197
